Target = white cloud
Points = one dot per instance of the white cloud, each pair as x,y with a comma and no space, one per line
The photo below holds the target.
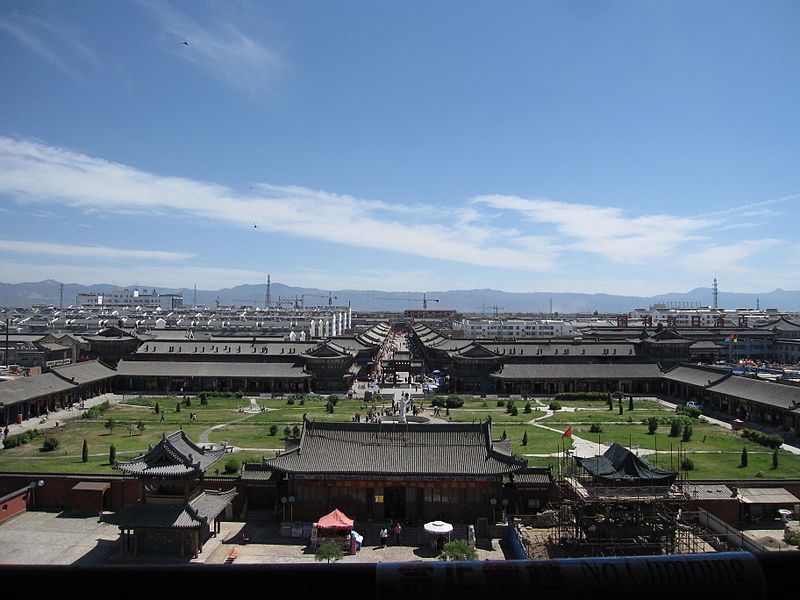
104,252
537,235
33,172
218,45
51,38
605,231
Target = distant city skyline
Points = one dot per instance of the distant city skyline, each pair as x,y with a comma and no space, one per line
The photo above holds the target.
621,147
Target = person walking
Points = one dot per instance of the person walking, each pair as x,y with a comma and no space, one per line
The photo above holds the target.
384,537
398,530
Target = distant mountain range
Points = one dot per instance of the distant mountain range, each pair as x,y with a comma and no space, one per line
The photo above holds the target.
485,301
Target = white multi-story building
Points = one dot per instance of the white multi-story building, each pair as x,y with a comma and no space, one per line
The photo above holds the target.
704,316
128,297
514,328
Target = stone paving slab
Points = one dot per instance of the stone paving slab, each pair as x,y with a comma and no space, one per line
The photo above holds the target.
43,538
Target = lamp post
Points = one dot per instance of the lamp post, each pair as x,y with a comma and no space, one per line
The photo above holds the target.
504,502
284,500
291,500
32,488
493,502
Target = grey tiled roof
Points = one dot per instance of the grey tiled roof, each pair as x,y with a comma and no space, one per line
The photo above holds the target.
454,449
579,371
20,389
158,368
205,507
533,476
174,455
696,375
85,372
762,392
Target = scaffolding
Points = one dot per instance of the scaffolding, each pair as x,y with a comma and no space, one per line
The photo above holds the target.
625,519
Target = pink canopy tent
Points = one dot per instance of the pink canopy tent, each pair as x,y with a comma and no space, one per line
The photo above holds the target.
335,520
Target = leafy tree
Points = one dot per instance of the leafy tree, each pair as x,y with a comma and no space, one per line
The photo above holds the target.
110,424
112,454
458,550
329,551
141,427
232,466
85,451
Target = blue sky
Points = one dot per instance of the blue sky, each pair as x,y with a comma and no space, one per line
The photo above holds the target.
618,147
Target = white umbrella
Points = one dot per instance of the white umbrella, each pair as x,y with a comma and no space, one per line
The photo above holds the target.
439,527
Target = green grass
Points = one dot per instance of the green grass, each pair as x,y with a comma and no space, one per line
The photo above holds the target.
714,450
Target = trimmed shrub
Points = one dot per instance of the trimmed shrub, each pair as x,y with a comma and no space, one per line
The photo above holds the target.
595,428
525,439
554,406
572,396
85,451
112,454
687,464
687,433
49,444
689,411
743,461
19,439
675,429
96,411
273,429
652,425
527,408
765,439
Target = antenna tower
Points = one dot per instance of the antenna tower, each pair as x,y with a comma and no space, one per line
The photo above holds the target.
715,291
268,299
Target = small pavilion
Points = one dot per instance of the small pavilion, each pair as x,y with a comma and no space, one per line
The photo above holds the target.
174,514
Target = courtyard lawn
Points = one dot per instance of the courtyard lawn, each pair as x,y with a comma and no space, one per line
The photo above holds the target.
714,450
250,436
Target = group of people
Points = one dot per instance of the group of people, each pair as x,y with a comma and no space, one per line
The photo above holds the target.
394,528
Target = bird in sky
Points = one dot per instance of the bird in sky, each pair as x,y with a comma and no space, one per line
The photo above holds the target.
185,42
254,225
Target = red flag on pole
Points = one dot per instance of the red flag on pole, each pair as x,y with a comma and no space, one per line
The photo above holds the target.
568,432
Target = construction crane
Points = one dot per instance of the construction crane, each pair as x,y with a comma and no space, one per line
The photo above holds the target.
297,301
330,297
424,300
496,308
